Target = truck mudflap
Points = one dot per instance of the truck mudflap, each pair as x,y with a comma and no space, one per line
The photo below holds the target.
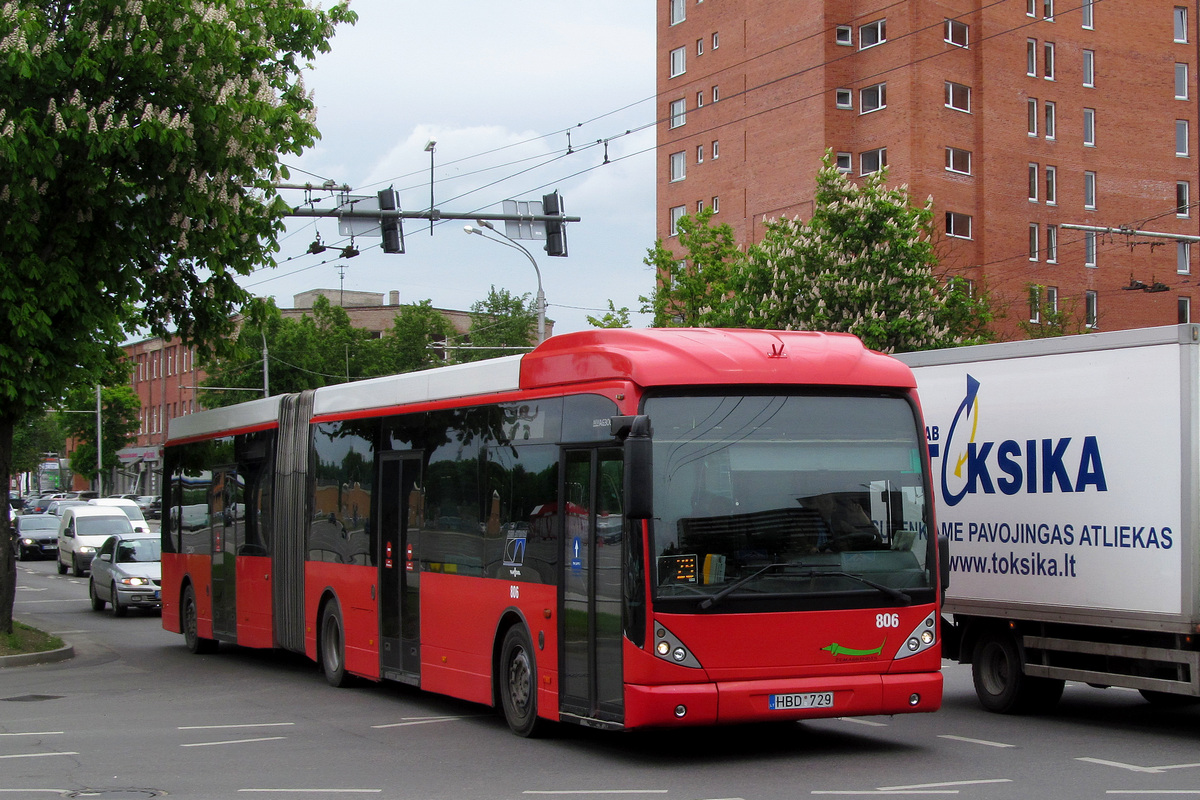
731,702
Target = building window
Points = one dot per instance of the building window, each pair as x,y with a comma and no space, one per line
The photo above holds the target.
1048,61
678,11
1035,304
699,154
1051,244
699,207
699,99
1183,257
1033,183
716,93
958,225
958,96
678,166
872,98
1181,24
956,32
844,98
844,35
1181,81
958,160
716,149
676,213
1031,57
716,205
716,41
699,47
1051,186
1034,239
1089,248
1091,313
1031,109
1048,9
1089,68
1183,202
678,61
1185,310
1051,119
1087,11
1051,299
845,162
872,33
1089,191
872,161
678,113
1089,127
1181,137
1031,8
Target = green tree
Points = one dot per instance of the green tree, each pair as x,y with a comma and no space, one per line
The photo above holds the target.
119,411
500,322
35,437
613,318
139,145
693,291
864,264
416,336
1063,319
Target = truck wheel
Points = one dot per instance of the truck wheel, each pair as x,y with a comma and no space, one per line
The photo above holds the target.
518,683
1000,680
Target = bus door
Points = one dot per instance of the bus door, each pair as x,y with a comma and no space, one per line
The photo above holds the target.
593,546
223,521
400,514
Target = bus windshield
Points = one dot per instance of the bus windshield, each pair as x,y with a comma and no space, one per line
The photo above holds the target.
767,502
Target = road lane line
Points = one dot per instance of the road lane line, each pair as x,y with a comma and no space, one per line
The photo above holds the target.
318,791
39,755
944,784
973,741
1131,767
869,722
246,725
595,791
233,741
35,733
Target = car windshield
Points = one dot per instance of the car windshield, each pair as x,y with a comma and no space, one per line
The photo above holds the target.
787,500
38,523
134,550
134,513
102,526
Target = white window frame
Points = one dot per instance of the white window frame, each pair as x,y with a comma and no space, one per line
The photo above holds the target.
954,223
877,31
877,155
1091,309
1087,10
1051,120
699,154
716,40
678,113
1051,185
716,204
678,59
1181,81
678,11
1031,113
1051,304
1181,24
1048,10
1048,60
699,47
955,155
676,212
958,96
677,168
716,149
879,92
716,93
1089,127
1089,69
1034,179
1035,303
699,99
1089,190
843,98
1089,249
844,163
1183,199
1031,57
1034,242
1184,308
844,35
957,33
1052,245
1031,8
1182,138
1183,258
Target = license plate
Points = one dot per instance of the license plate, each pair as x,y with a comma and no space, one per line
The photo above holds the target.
784,702
49,547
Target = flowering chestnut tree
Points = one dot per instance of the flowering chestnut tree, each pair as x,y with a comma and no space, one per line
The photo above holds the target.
139,144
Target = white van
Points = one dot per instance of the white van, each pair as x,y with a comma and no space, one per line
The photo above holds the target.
131,509
82,530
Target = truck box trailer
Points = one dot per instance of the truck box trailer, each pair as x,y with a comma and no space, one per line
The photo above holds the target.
1066,480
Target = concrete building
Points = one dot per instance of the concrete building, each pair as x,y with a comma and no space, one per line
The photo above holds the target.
1020,118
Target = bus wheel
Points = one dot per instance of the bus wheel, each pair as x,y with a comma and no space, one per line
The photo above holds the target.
518,683
1000,680
191,626
333,646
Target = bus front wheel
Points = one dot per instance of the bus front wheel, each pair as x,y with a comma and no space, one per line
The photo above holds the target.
333,646
518,683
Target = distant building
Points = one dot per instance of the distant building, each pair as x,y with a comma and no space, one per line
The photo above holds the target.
1019,119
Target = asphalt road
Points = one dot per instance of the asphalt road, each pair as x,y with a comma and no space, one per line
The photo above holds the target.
135,715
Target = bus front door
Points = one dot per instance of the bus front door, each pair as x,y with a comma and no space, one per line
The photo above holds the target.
401,511
593,546
223,503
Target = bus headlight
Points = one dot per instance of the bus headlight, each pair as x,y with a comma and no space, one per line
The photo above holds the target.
923,637
668,647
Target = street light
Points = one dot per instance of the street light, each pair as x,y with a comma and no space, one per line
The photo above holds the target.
507,242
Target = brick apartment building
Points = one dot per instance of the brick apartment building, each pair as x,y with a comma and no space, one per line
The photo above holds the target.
164,375
1020,118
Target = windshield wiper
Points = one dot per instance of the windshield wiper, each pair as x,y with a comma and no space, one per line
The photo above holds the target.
894,594
740,582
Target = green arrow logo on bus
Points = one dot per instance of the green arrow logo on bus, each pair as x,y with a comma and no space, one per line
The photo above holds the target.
838,650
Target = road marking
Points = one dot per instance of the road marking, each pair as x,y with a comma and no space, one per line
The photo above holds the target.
233,741
314,791
881,792
423,720
943,784
35,733
595,791
32,589
247,725
973,741
1135,768
858,721
36,602
39,755
1153,791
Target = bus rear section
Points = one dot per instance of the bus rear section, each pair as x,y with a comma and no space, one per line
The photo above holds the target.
622,529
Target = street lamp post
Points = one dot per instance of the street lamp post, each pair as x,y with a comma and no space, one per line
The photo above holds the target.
508,242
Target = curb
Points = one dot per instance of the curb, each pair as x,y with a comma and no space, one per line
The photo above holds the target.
44,657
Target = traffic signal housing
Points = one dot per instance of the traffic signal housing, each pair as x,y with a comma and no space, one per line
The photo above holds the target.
391,227
556,231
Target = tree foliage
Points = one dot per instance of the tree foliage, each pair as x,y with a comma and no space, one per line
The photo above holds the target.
139,144
119,419
863,264
500,322
33,439
693,291
613,318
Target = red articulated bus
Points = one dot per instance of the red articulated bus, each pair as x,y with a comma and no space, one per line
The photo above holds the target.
620,529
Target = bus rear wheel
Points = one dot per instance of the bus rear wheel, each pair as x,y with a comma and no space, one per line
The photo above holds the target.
333,646
518,683
191,626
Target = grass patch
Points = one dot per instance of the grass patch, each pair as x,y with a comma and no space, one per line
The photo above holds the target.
25,639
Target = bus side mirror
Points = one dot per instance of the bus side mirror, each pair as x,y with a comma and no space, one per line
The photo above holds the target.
639,465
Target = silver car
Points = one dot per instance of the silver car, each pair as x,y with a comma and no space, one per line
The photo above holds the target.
127,572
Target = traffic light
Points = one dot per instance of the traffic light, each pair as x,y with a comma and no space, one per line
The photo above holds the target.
556,231
391,227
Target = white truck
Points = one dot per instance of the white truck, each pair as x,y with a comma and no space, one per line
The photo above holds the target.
1067,480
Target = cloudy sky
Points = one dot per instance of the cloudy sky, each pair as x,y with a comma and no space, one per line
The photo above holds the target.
497,86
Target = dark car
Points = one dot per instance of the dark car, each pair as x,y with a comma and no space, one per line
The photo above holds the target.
35,536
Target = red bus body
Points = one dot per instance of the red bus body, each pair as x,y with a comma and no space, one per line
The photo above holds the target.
466,530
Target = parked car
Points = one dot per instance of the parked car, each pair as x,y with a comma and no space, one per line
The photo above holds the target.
38,505
129,507
127,572
148,503
81,532
35,534
56,507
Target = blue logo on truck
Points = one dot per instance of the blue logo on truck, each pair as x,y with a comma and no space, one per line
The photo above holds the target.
1011,466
